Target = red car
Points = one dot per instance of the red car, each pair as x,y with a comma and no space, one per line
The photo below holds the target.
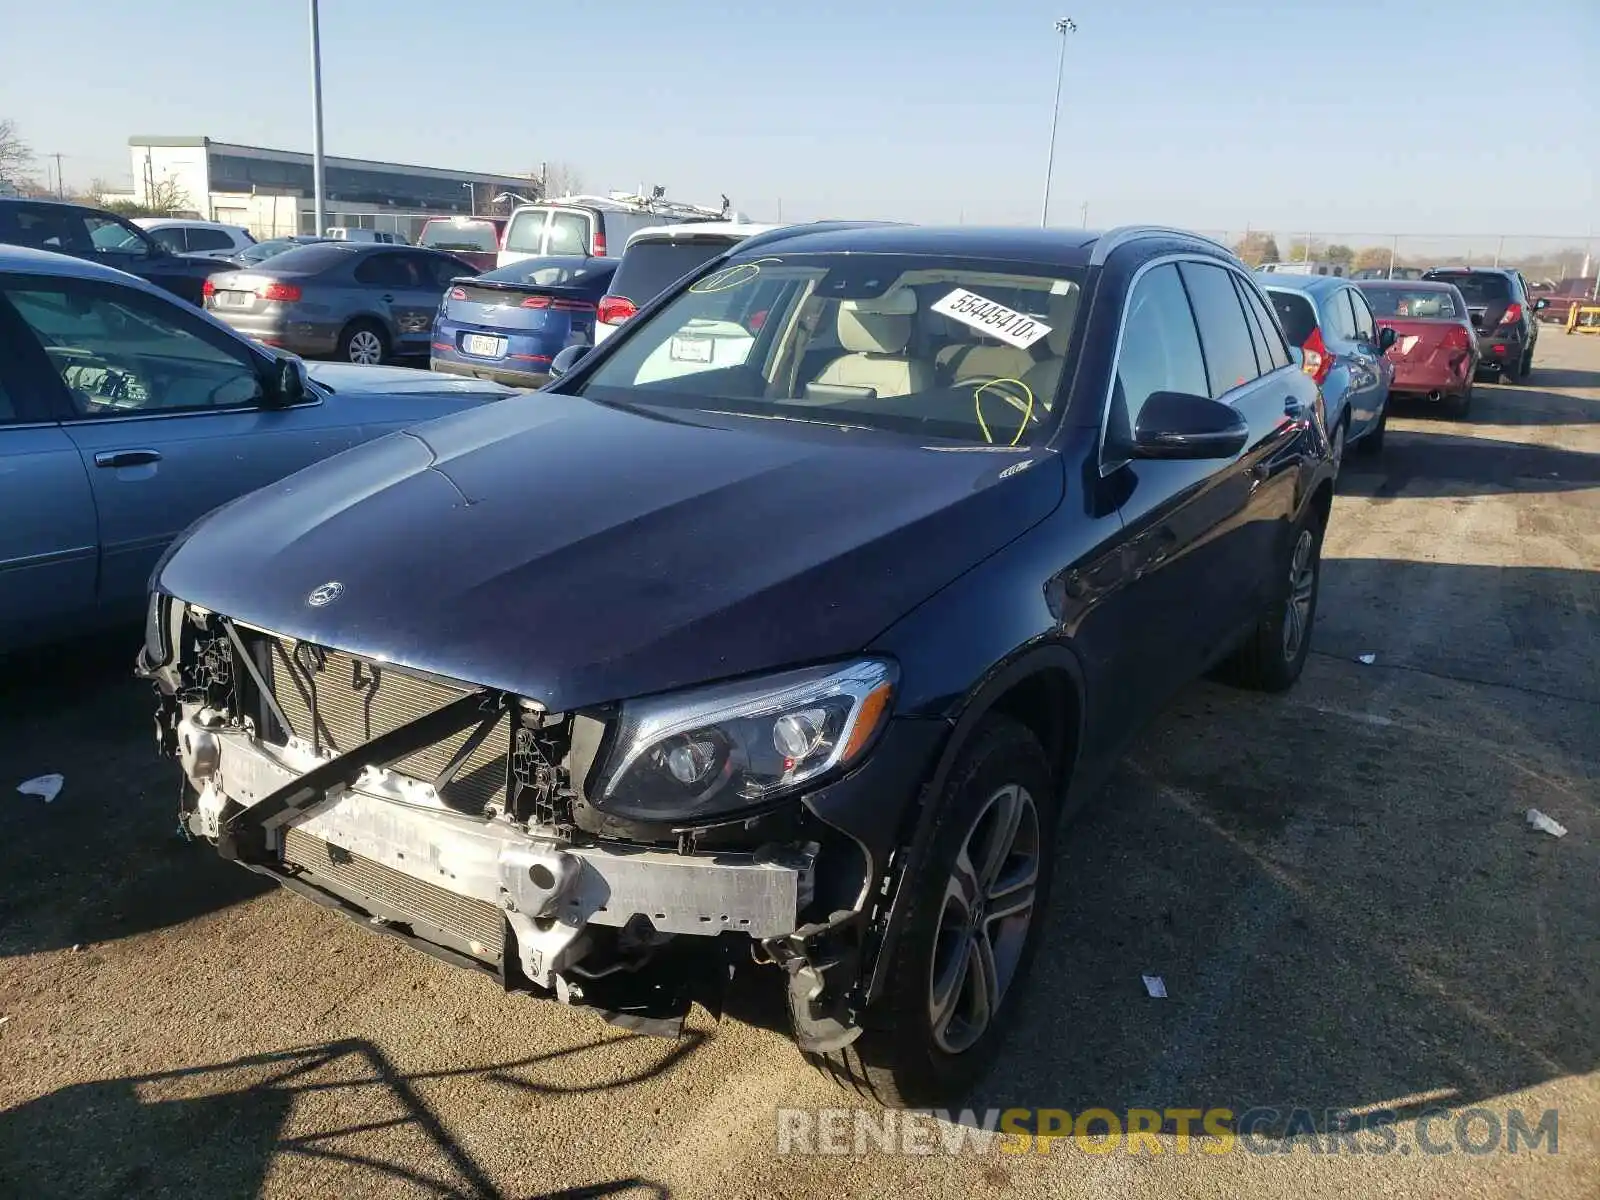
476,239
1564,297
1435,353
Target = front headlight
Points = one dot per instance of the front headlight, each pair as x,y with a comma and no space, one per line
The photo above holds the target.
737,745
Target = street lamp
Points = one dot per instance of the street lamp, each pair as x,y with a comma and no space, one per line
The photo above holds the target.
1064,26
316,124
472,197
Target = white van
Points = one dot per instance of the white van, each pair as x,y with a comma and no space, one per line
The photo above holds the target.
1302,268
350,233
597,226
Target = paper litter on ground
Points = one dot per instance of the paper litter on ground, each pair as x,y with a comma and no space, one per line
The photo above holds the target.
1541,822
1369,659
1156,986
46,787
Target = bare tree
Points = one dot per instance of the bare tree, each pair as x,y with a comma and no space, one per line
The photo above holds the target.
561,179
1257,248
15,154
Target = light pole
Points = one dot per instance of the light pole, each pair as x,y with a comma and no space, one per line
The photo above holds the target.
1064,26
316,124
472,197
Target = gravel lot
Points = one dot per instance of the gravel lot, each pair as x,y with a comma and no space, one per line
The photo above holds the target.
1337,886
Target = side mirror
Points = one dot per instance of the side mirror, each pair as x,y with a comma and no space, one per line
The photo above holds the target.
1179,425
566,359
1386,339
288,383
1540,304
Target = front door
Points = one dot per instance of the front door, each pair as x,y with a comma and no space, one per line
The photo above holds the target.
165,413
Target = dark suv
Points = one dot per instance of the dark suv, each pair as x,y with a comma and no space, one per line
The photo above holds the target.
1503,314
797,650
105,238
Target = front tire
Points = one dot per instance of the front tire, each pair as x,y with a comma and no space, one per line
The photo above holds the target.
363,342
1274,654
971,928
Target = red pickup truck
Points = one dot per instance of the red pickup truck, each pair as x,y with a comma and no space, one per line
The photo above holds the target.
476,239
1564,296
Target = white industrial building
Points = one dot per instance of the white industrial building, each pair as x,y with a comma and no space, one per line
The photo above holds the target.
270,192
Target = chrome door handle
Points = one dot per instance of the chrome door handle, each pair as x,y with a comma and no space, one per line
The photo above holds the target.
126,458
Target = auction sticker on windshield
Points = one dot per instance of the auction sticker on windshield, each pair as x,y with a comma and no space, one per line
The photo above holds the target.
991,317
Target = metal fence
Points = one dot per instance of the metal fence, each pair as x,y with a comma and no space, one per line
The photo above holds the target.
1540,257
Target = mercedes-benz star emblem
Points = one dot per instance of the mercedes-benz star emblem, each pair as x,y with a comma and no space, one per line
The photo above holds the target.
321,597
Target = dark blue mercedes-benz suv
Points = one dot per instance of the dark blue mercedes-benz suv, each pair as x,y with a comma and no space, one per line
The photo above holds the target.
787,624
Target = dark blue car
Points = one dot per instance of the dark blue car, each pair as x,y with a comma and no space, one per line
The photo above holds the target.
507,325
786,624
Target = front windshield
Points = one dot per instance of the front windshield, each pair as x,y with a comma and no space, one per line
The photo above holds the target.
928,345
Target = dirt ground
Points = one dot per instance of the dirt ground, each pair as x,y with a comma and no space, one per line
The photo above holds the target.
1338,888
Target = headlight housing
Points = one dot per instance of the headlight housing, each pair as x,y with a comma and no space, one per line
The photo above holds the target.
736,746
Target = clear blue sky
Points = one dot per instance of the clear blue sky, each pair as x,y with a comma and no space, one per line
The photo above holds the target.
1460,116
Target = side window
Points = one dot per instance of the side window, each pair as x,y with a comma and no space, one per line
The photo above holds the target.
1277,353
122,352
1337,319
114,238
172,238
437,270
1160,350
1257,338
1224,335
569,233
209,239
1366,327
384,270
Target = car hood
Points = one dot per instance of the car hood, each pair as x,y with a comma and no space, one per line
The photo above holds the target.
353,378
577,553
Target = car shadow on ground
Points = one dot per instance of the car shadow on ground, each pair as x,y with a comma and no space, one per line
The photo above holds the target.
215,1130
1444,462
1531,402
1341,895
79,712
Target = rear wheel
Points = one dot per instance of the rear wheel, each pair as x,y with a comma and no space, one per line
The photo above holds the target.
1274,654
971,928
363,342
1340,433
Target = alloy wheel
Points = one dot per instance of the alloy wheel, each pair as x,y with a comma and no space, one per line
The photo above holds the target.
984,919
1302,590
366,347
1338,446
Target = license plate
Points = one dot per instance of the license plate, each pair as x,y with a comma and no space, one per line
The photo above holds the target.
483,345
233,299
691,349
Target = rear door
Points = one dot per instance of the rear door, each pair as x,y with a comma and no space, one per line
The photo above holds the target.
48,536
1376,371
432,275
389,284
524,236
165,413
572,230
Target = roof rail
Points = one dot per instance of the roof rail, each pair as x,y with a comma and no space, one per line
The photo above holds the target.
1113,239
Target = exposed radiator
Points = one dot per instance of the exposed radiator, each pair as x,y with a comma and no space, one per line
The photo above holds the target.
357,701
477,923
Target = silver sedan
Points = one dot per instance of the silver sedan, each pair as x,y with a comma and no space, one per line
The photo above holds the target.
345,300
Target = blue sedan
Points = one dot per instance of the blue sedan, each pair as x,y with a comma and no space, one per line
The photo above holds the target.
1343,349
125,415
509,324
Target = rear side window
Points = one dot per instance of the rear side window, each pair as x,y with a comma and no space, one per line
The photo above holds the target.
1271,335
209,239
1224,336
1366,329
1160,349
569,234
171,237
1337,321
387,270
648,268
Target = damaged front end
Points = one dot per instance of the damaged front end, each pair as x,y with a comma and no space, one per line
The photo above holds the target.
628,857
